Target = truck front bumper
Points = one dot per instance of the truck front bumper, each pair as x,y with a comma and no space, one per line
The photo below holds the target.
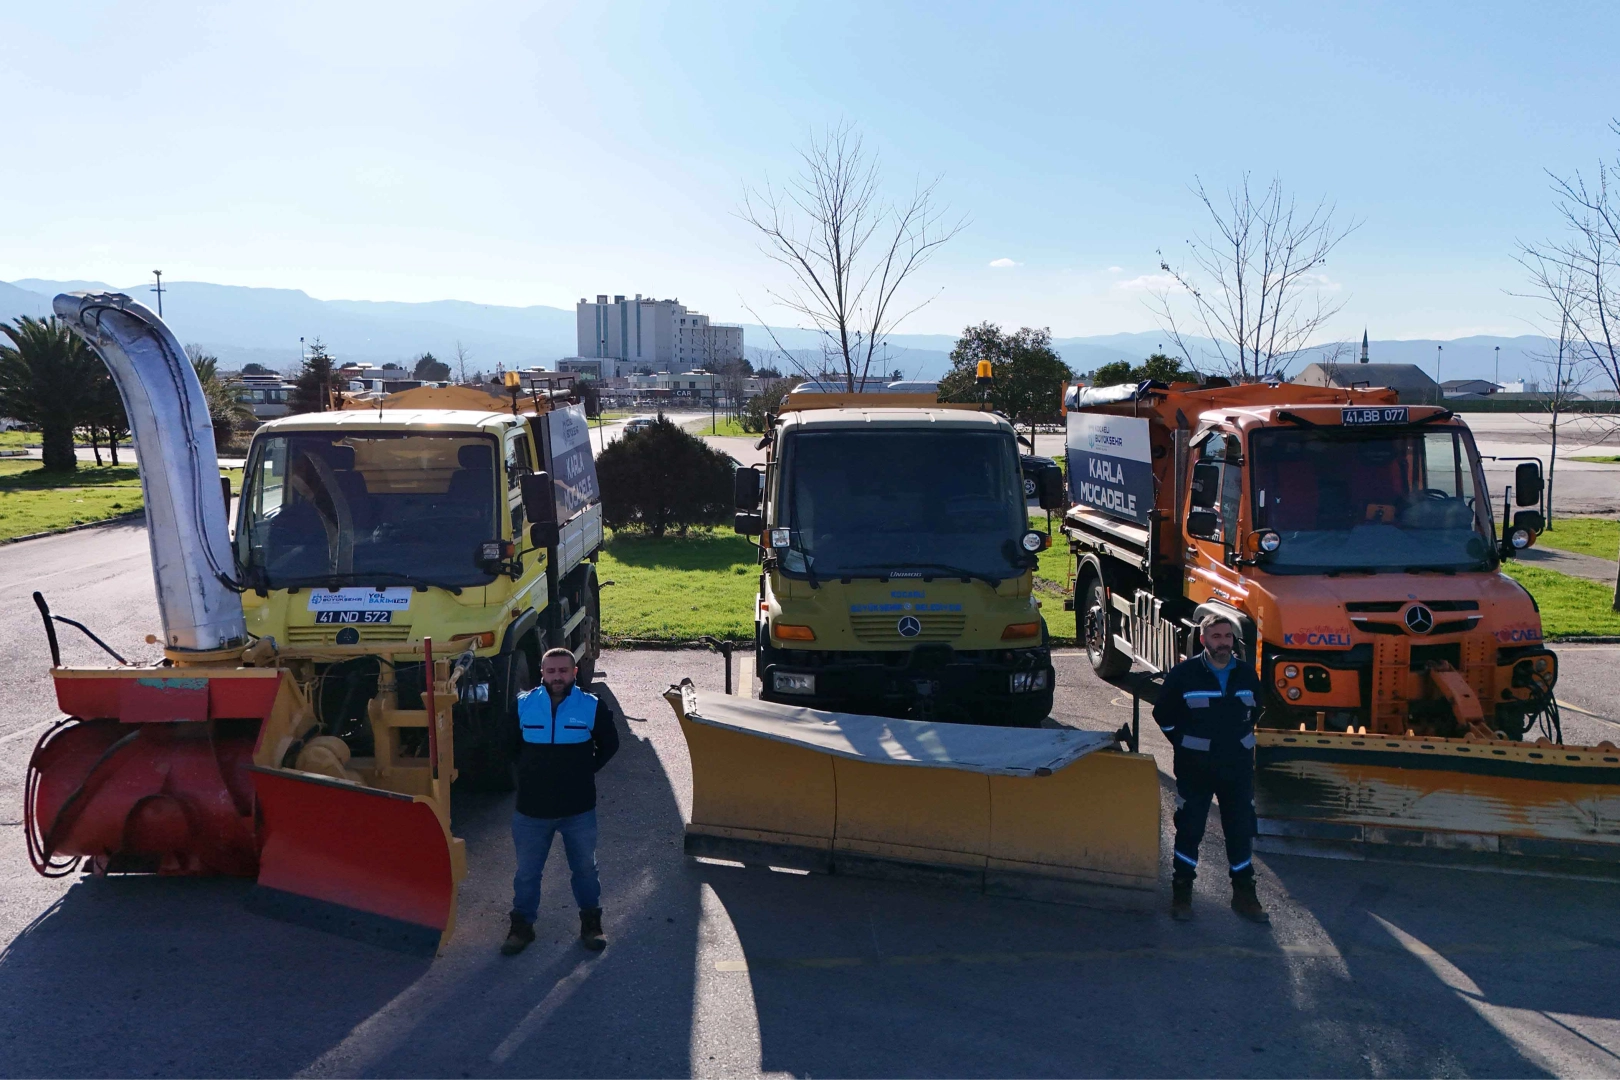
930,682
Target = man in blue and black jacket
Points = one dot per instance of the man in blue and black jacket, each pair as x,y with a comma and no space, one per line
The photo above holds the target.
1207,710
564,737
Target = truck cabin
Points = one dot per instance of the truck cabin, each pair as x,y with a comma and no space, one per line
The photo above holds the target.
373,504
1300,491
921,491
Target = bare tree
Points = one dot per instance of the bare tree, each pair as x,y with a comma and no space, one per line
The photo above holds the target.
463,354
1253,284
1579,272
847,248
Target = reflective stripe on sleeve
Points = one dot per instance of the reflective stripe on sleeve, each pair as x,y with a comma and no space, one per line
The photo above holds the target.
1193,742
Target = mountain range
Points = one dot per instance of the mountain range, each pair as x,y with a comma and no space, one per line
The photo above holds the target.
241,324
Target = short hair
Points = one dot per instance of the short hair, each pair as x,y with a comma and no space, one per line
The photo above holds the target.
1212,617
549,653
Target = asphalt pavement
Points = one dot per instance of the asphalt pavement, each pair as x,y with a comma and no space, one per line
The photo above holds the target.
1369,969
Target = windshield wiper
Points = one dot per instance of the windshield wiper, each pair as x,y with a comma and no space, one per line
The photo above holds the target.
926,571
366,577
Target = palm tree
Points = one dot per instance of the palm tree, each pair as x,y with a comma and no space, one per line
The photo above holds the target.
47,380
227,410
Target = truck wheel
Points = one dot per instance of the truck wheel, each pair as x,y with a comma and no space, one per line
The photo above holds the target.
593,644
485,763
1094,627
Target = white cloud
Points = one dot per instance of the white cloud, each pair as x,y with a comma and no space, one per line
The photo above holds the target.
1116,269
1003,264
1148,283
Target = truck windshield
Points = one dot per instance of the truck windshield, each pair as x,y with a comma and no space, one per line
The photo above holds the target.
869,502
1348,499
374,508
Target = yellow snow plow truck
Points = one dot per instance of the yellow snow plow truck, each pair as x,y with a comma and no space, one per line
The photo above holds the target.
903,661
332,669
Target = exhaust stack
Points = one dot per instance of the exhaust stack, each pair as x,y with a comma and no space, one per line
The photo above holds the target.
192,564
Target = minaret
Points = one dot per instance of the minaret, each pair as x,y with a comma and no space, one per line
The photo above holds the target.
1364,345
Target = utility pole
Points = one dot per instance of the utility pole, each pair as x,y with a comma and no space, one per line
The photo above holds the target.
1498,379
1441,390
158,288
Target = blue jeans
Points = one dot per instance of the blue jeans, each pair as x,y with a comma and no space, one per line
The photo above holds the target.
532,836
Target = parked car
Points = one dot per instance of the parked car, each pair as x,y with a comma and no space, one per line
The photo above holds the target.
639,423
1031,467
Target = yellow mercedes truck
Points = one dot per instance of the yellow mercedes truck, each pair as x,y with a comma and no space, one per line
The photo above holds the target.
363,531
897,561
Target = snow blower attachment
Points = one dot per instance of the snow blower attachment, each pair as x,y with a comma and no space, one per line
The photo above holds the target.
217,761
1053,814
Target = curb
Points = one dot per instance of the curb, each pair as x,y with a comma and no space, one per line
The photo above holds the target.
661,644
1585,639
76,528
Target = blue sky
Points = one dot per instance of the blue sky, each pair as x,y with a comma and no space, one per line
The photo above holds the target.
536,153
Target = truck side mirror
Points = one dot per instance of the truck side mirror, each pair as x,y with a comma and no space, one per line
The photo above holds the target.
749,524
1527,483
540,507
1203,524
1206,486
1052,495
745,488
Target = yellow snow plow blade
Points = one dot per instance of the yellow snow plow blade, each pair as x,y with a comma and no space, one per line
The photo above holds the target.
1466,801
1054,814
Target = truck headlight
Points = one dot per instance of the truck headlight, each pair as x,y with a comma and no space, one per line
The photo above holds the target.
1520,539
1270,542
781,538
787,682
1033,541
1023,682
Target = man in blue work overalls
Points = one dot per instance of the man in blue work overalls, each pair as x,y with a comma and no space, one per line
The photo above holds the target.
1207,710
565,736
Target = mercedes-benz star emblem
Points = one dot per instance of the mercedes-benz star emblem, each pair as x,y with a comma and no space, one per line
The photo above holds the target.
1419,619
909,626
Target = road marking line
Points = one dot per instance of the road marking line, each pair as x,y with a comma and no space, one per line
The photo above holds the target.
1285,951
1584,712
538,1015
29,730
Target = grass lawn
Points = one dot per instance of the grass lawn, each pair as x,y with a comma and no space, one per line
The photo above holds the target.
724,427
1601,459
1569,605
33,501
1584,536
679,588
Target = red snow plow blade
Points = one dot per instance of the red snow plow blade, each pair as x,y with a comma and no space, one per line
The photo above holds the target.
355,861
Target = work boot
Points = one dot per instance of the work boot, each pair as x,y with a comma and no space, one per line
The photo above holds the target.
517,938
1181,899
1246,903
590,929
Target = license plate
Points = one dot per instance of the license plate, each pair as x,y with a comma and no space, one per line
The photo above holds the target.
368,617
1386,415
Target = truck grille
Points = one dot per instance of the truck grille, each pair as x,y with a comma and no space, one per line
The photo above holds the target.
884,627
327,635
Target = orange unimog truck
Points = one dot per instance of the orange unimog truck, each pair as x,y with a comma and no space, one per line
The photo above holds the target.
1410,705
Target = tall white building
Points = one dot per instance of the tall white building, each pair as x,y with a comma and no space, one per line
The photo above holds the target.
647,335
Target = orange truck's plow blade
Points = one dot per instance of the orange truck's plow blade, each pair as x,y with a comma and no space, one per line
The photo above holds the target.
1464,801
356,861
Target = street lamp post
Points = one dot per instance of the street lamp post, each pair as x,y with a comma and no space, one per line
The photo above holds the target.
158,288
1498,379
1437,383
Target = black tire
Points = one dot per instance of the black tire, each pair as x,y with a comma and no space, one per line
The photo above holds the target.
593,645
485,762
1094,627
